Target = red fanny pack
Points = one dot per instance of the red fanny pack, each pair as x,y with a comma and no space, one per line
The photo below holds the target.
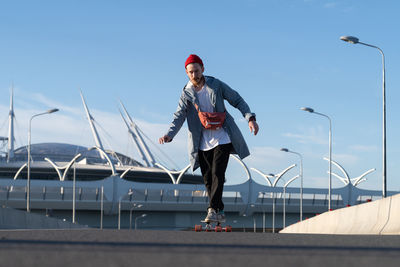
211,120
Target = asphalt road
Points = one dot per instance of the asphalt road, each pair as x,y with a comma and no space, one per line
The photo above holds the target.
185,248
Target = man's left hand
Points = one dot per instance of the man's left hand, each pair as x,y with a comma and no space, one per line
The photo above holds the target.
253,127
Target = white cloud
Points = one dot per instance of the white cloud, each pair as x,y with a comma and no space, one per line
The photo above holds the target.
311,135
331,5
363,148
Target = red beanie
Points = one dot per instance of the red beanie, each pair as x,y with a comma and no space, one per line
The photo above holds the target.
193,59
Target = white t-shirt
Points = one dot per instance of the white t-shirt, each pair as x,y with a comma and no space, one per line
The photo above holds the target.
209,138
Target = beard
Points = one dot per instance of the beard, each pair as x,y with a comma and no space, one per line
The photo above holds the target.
197,81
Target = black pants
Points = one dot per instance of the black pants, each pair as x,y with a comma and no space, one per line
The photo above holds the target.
213,165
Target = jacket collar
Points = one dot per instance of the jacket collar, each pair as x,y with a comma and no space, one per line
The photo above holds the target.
191,92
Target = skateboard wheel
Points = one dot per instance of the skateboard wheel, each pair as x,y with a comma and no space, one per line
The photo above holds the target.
218,229
197,228
228,228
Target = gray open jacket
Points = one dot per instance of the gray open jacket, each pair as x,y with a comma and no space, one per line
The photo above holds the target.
186,110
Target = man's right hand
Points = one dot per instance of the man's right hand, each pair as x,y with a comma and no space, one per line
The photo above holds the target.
164,139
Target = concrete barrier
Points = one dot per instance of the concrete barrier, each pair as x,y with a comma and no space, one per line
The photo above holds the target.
377,217
18,219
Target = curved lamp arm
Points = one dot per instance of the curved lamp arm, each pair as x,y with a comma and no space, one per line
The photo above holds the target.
343,180
263,175
359,178
291,180
170,173
167,171
55,167
279,175
341,168
114,172
126,171
246,169
20,170
66,167
181,173
360,181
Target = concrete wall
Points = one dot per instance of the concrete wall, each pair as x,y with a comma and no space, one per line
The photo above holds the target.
17,219
377,217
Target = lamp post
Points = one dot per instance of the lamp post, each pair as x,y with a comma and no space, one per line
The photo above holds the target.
131,213
273,185
28,187
301,179
263,212
74,196
101,207
142,216
119,208
284,199
254,218
354,40
330,152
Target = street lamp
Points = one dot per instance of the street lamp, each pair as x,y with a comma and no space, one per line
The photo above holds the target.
119,208
301,179
354,40
28,187
101,207
254,218
273,185
330,152
284,199
142,216
131,213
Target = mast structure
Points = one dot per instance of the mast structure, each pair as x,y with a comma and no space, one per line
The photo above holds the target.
141,145
11,116
92,126
135,140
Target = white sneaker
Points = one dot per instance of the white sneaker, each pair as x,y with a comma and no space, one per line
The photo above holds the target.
211,216
221,217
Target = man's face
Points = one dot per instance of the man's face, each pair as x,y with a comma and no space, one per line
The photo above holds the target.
195,73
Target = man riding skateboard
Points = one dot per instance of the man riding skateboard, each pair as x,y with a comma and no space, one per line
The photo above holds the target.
213,133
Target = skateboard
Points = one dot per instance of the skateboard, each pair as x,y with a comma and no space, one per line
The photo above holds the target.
214,226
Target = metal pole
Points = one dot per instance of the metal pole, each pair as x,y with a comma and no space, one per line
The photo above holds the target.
263,221
384,170
136,222
28,187
330,163
101,207
284,206
130,218
355,40
301,188
330,159
263,213
330,152
119,214
74,196
254,224
384,193
273,212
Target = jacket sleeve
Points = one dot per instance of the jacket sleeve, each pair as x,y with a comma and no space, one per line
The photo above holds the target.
179,117
236,101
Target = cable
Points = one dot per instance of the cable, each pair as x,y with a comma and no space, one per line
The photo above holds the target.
162,152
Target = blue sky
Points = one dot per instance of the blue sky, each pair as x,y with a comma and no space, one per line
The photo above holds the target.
280,56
